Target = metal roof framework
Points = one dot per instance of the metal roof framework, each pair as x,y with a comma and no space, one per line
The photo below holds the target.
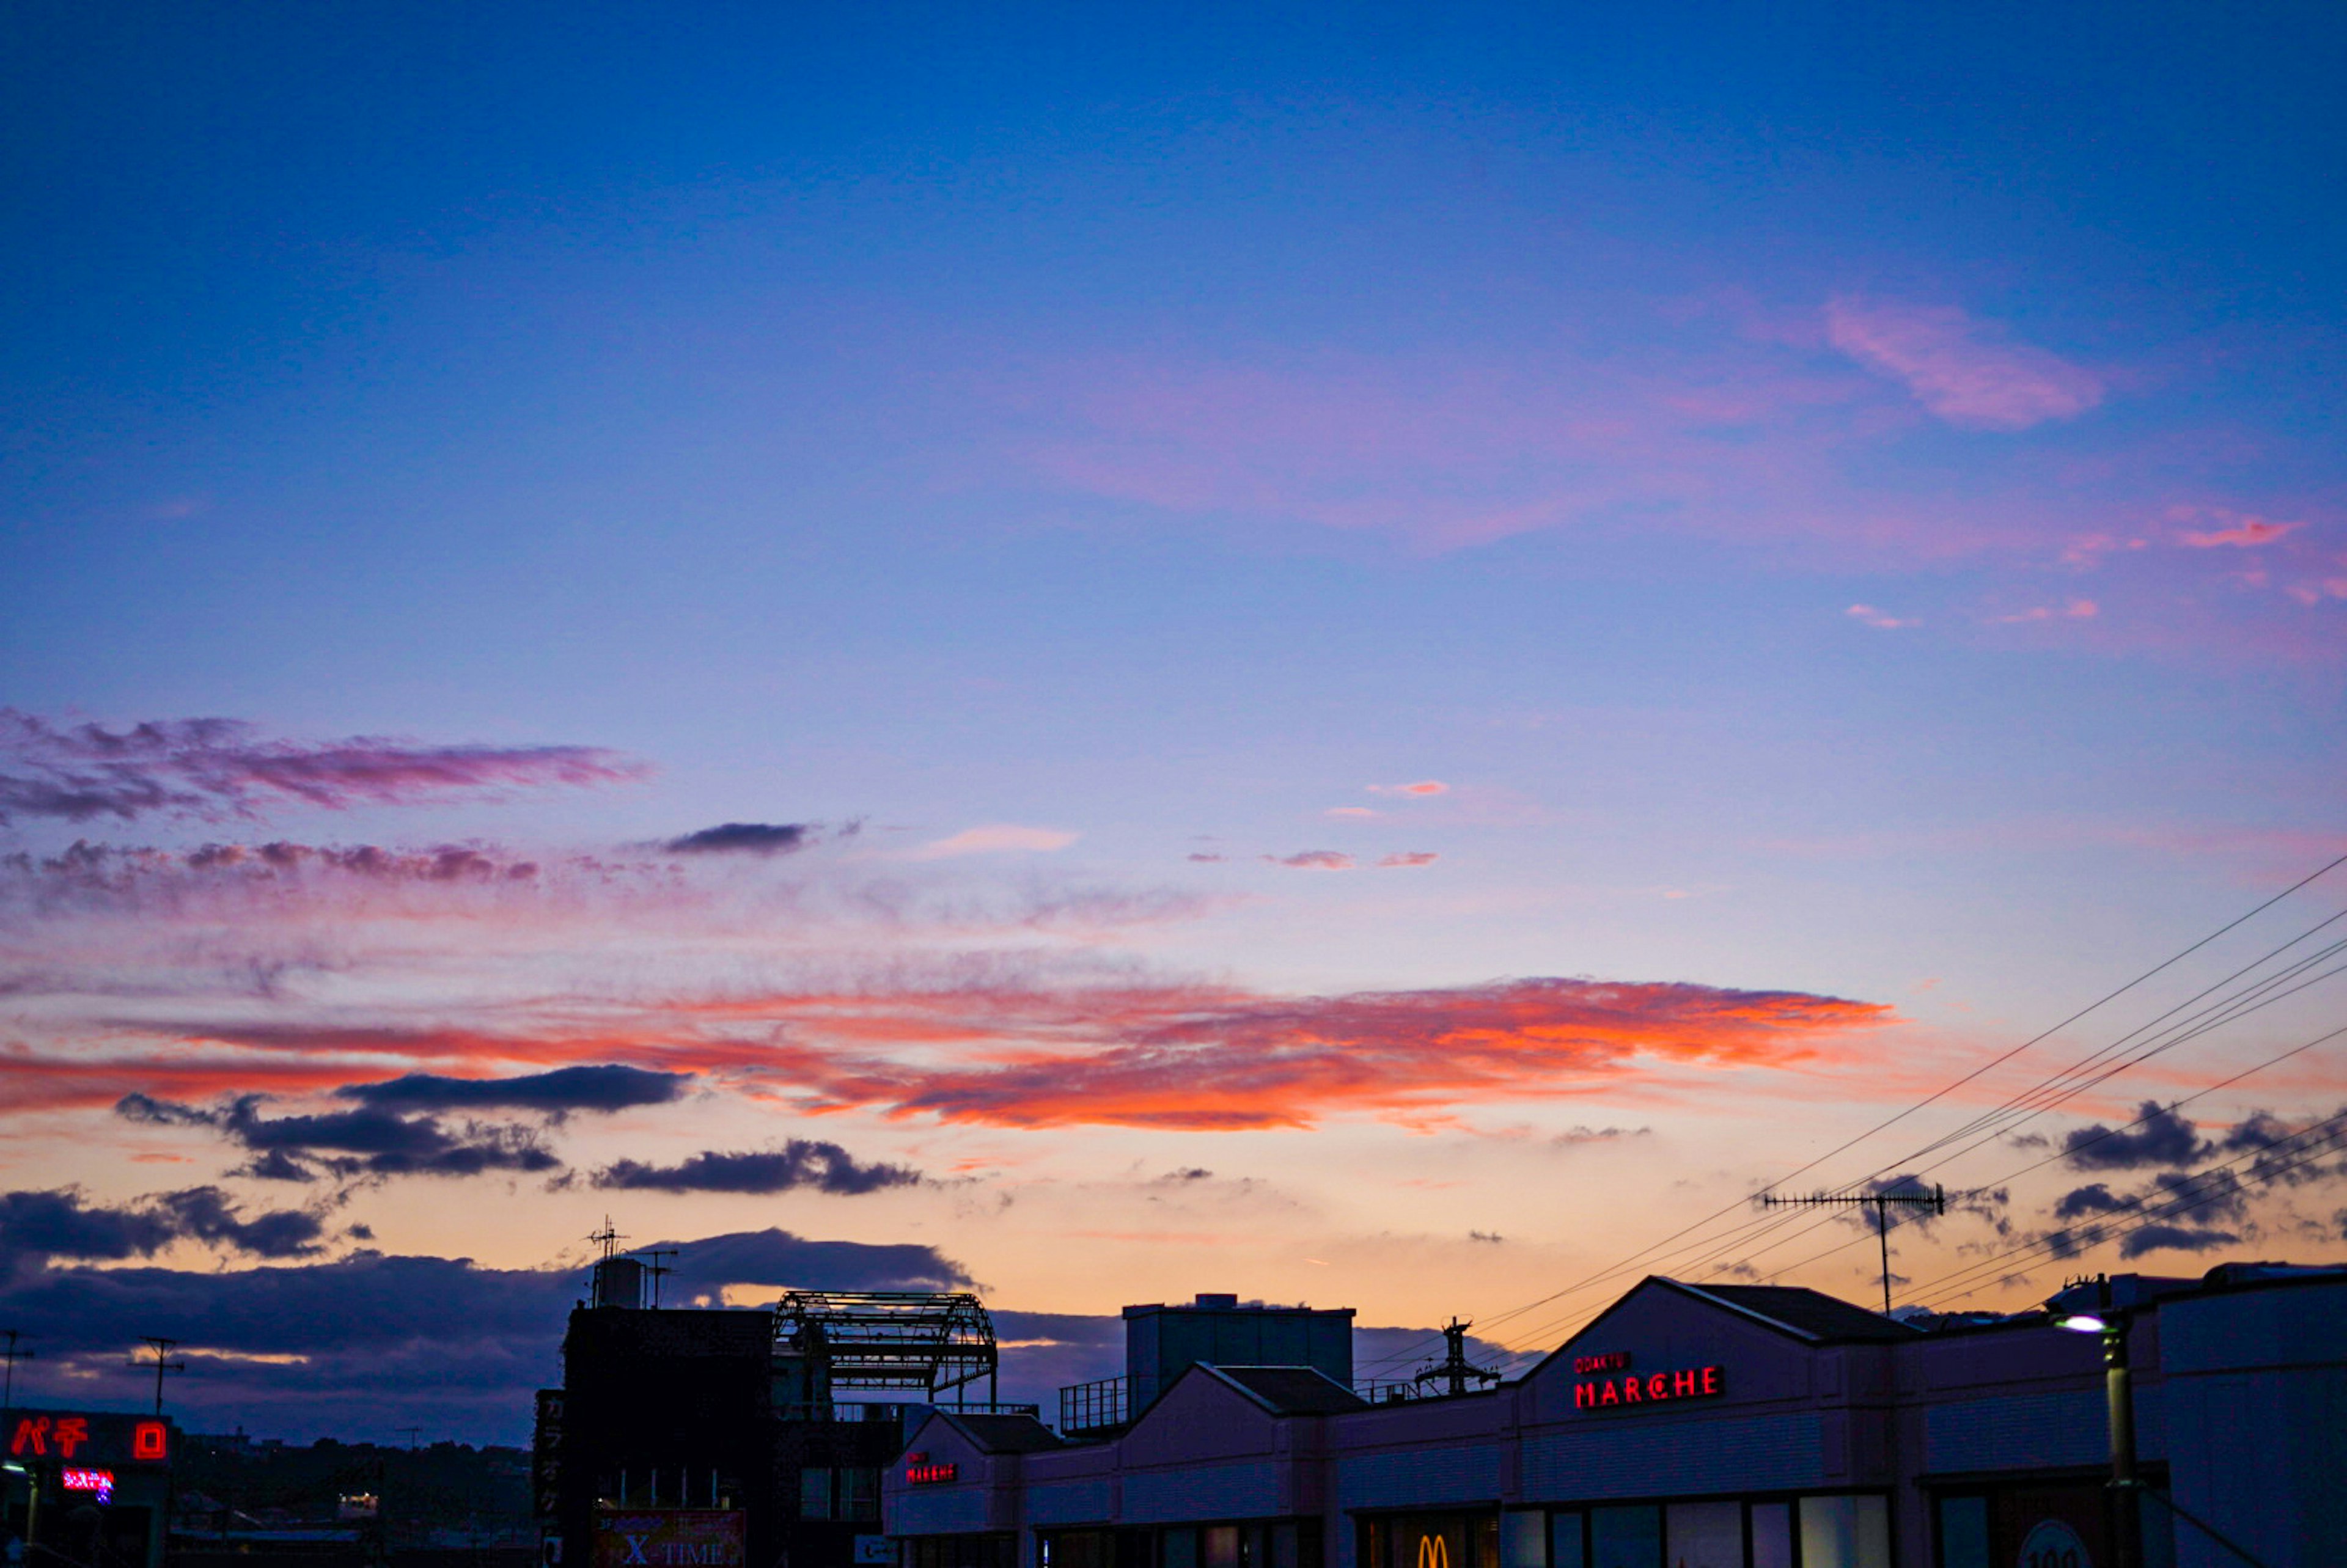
933,1342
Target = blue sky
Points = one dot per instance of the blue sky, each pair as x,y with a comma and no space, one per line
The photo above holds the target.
1839,518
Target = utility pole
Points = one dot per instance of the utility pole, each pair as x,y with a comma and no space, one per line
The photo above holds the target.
413,1433
162,1363
1936,1199
10,1356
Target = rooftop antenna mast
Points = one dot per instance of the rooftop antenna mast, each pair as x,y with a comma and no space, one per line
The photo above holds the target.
162,1363
656,1268
10,1356
608,1238
1935,1199
1454,1370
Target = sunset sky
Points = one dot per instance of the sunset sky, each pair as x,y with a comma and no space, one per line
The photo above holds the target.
1346,654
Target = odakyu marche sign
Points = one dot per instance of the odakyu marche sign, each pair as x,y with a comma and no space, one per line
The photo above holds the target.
1610,1380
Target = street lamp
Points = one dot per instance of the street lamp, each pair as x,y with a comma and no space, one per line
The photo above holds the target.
2119,1383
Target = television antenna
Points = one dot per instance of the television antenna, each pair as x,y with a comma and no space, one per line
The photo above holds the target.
1935,1199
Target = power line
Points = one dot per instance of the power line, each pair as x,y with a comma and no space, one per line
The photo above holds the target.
1649,1252
2035,1164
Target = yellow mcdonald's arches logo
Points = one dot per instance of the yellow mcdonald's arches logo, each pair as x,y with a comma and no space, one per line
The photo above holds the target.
1433,1552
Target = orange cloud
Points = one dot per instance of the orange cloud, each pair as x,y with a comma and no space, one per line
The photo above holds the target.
1172,1059
1167,1055
1423,787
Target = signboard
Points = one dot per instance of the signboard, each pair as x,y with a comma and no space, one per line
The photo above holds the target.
922,1470
875,1552
2053,1544
670,1538
100,1482
88,1439
1614,1385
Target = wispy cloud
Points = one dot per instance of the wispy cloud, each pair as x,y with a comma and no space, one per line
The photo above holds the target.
1422,788
1313,860
2074,610
996,839
1882,620
2237,531
214,769
1965,370
1406,859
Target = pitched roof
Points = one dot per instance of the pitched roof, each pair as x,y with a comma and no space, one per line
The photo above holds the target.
1806,1314
1291,1390
1001,1434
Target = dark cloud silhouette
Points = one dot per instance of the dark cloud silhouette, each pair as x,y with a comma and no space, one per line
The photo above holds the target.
2095,1199
744,838
611,1087
60,1222
2173,1238
217,768
2158,1136
801,1163
369,1342
778,1260
346,1144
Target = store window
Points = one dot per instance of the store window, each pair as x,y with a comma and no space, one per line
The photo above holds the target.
1568,1541
1430,1540
1523,1540
1724,1533
1772,1535
1626,1537
1848,1532
1704,1535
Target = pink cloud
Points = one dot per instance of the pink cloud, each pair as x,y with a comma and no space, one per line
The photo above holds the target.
1881,620
2238,531
2076,610
1404,859
213,769
1423,787
1349,810
1960,368
996,839
1313,860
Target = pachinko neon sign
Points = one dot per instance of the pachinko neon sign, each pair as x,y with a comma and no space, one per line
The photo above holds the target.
112,1439
1608,1381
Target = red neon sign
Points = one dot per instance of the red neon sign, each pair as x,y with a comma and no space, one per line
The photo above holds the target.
1653,1388
920,1472
148,1441
1612,1361
98,1481
36,1435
